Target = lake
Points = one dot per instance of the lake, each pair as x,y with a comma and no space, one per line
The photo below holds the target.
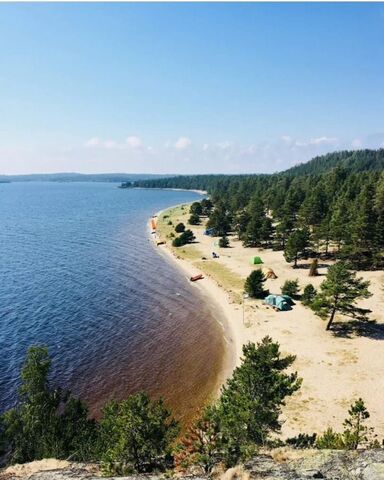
79,274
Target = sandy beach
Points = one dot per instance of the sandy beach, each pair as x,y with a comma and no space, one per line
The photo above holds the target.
335,368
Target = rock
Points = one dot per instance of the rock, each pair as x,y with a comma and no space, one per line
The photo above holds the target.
278,464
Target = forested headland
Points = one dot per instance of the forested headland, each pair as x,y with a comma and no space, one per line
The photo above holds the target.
331,206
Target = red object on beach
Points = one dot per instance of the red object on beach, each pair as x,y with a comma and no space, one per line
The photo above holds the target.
197,277
153,224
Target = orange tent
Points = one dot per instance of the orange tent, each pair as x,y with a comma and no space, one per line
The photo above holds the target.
153,224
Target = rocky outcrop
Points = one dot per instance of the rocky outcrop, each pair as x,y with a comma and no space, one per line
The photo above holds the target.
279,464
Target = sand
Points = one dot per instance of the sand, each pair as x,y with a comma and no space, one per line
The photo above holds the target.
335,370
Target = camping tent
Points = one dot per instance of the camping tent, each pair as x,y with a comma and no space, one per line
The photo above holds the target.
281,302
256,261
269,273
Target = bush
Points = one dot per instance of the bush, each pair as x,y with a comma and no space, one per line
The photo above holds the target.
254,284
290,288
224,242
177,242
137,435
194,219
170,222
180,227
186,237
309,295
196,209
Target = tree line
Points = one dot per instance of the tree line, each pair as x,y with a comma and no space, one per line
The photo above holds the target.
330,206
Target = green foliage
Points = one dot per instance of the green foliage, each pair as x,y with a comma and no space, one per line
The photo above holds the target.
137,435
291,288
330,440
186,237
339,292
309,294
254,284
355,431
296,244
251,400
302,440
224,242
201,445
337,198
180,228
47,422
194,219
196,209
206,206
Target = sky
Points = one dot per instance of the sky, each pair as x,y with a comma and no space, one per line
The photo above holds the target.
187,88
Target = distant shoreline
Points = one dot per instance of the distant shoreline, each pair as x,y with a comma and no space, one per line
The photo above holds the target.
200,192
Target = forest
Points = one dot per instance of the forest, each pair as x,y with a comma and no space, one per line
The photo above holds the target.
332,206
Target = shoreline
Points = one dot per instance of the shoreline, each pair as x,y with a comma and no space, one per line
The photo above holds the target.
199,192
228,314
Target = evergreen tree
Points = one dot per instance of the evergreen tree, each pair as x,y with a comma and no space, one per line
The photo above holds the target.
290,288
201,445
196,209
47,422
251,400
309,294
297,242
137,434
180,227
254,284
339,292
194,219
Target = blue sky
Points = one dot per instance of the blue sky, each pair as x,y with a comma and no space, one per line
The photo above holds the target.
188,88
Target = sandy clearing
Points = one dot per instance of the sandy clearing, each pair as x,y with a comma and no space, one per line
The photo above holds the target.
335,370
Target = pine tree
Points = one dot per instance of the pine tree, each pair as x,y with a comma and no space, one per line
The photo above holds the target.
339,292
254,284
251,400
297,243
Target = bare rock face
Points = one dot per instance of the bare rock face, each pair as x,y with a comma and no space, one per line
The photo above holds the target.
279,464
325,464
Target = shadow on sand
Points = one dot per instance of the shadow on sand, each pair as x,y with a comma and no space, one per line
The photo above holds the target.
360,328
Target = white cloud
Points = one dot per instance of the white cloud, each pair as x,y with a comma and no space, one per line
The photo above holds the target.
225,145
356,143
182,142
92,142
134,142
323,141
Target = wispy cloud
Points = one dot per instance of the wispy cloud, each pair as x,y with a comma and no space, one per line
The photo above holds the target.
182,143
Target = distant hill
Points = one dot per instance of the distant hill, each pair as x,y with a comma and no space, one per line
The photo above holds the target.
354,161
81,177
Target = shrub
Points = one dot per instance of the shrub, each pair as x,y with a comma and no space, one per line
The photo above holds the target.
196,209
170,222
224,242
194,219
254,284
186,237
291,288
309,294
136,435
180,227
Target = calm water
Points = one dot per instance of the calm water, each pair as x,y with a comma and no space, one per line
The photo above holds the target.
78,273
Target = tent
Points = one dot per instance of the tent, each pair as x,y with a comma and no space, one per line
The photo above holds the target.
256,261
209,231
269,273
281,302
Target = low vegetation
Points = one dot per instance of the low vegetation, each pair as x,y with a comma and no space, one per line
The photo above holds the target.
139,435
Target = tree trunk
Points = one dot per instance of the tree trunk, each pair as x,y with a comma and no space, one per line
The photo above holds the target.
329,324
